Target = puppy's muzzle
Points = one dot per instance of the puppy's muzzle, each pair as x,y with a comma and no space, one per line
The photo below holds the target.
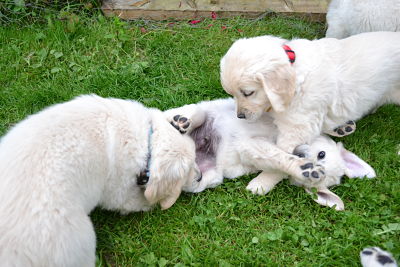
199,177
301,151
241,116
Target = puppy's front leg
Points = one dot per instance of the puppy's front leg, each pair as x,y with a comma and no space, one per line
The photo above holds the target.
186,118
266,156
265,182
292,135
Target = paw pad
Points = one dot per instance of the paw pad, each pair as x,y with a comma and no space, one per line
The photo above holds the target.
307,166
180,123
315,174
343,130
375,256
315,171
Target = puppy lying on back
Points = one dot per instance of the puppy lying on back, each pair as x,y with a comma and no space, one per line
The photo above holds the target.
311,87
58,165
229,147
350,17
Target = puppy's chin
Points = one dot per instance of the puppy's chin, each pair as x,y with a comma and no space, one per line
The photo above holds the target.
307,182
253,117
191,187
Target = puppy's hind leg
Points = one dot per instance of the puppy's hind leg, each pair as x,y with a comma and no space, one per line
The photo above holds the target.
211,178
343,130
392,97
336,30
60,238
75,242
186,118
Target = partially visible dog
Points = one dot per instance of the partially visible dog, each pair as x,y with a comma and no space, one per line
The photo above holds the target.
350,17
311,87
229,147
376,257
58,165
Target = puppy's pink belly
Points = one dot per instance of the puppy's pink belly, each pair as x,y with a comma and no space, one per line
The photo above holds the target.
206,165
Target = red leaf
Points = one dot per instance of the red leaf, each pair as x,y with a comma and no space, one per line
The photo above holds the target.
223,27
213,15
194,21
239,30
143,30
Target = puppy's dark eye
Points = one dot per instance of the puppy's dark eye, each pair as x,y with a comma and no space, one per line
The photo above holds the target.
246,94
321,155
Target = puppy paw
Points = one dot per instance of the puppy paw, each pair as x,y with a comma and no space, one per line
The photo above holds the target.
181,123
343,130
312,170
259,187
375,257
210,179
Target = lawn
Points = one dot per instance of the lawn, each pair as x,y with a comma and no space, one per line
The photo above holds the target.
168,64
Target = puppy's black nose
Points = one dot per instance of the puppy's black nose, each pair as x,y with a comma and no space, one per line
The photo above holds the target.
241,116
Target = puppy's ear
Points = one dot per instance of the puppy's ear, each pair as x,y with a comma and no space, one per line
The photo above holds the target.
279,86
171,198
164,192
325,197
355,167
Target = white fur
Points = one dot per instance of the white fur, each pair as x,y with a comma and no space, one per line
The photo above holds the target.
376,257
331,81
244,147
350,17
59,164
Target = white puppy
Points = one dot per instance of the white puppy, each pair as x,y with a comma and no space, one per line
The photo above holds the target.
350,17
58,165
229,147
328,82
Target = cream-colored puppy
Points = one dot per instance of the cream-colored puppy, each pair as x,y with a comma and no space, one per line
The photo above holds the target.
58,165
350,17
311,87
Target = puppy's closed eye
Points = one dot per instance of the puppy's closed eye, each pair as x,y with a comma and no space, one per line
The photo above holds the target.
247,93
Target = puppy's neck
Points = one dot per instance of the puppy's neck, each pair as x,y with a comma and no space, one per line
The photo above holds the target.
144,176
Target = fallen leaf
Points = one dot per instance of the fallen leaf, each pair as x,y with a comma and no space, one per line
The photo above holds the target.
194,21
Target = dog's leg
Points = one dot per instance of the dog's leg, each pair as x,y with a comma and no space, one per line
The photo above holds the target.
265,182
266,156
336,30
343,130
376,257
211,178
392,97
292,134
186,118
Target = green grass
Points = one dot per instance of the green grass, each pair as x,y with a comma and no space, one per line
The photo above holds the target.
164,66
